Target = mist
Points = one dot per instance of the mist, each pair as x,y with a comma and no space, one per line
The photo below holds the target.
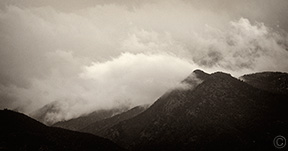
103,54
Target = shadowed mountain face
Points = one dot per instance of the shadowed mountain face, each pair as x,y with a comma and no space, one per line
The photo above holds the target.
101,126
276,82
221,112
83,121
19,132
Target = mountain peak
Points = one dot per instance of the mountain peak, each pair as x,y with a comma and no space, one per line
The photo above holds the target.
221,75
200,74
196,77
219,111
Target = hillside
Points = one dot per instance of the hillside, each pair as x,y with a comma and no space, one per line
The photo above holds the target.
99,126
221,112
20,132
276,82
83,121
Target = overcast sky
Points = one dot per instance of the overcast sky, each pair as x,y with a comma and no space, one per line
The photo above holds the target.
85,55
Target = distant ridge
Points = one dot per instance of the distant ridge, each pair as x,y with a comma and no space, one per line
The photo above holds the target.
81,122
100,126
276,82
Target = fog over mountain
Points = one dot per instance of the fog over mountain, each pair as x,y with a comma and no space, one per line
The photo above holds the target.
88,55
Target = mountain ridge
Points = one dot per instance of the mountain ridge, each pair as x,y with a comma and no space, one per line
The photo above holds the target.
276,82
207,111
220,104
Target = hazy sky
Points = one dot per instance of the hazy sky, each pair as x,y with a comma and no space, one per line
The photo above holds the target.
85,55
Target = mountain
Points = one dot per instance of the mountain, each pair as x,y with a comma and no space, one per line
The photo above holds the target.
276,82
83,121
217,112
99,126
20,132
41,114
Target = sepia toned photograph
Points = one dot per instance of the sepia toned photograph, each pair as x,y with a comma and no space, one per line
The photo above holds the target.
143,75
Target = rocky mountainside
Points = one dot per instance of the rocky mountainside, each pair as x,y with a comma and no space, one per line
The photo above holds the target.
101,126
20,132
276,82
219,112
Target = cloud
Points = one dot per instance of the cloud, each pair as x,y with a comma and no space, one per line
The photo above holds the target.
241,46
129,79
102,56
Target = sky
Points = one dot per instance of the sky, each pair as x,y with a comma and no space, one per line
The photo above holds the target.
86,55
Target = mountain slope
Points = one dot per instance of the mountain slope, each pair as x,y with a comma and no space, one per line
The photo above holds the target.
221,112
99,126
79,123
20,132
41,114
276,82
